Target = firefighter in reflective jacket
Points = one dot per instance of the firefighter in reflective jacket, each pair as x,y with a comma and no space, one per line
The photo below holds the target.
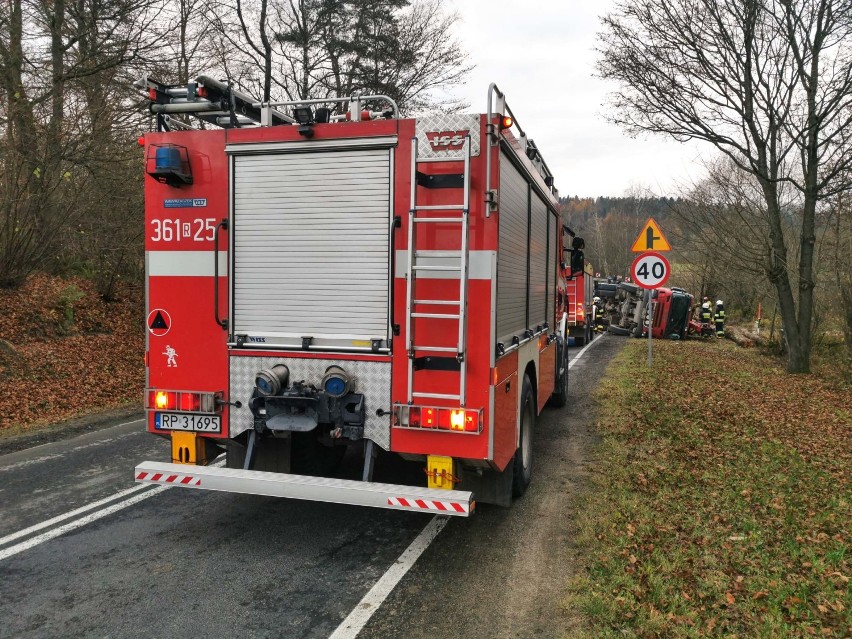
705,315
720,318
597,315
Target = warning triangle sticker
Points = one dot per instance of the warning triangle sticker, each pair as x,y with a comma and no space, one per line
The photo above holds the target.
159,322
651,239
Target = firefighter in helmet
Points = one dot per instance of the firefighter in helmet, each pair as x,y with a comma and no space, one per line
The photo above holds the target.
597,314
719,317
705,316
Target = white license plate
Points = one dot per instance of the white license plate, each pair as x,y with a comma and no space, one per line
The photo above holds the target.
182,421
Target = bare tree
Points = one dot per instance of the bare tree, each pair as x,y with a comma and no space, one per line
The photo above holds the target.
60,63
766,82
839,249
296,49
722,232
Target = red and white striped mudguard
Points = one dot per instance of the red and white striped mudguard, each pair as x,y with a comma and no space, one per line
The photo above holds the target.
166,478
432,505
458,503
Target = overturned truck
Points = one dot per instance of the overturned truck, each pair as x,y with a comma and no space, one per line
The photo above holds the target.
625,308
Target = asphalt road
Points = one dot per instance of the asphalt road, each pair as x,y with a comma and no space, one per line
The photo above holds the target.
151,562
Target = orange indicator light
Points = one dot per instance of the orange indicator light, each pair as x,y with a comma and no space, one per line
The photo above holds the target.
161,399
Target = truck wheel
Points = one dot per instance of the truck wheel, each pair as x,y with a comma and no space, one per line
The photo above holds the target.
617,330
606,290
522,464
579,340
559,398
272,455
311,457
235,455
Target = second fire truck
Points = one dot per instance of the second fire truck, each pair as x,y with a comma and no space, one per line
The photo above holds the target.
324,275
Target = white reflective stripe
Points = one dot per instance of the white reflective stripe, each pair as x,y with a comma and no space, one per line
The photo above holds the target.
479,265
184,263
247,148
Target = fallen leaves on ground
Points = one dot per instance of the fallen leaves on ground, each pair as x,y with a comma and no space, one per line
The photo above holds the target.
64,351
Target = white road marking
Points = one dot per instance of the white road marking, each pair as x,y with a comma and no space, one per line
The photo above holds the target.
367,607
71,513
134,421
584,349
29,462
83,521
39,460
360,615
78,523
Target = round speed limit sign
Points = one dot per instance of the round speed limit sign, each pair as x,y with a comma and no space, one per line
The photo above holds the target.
650,270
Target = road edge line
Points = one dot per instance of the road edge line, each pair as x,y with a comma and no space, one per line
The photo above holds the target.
584,349
71,513
366,608
79,523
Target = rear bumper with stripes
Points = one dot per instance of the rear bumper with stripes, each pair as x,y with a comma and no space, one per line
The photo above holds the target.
337,491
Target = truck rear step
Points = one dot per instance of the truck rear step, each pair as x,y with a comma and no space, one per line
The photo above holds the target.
338,491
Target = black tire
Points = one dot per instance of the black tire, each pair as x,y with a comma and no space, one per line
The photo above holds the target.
559,397
617,330
579,340
605,290
636,332
311,457
235,455
522,463
633,289
271,455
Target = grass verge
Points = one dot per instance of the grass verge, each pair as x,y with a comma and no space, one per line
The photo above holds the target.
723,504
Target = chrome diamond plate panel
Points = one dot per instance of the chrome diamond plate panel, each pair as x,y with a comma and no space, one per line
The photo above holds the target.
372,379
440,137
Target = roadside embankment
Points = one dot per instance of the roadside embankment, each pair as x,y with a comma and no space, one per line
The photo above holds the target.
65,352
722,505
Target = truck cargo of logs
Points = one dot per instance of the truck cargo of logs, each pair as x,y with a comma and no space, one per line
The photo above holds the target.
743,337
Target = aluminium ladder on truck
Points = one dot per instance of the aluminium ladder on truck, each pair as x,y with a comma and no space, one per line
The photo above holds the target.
462,218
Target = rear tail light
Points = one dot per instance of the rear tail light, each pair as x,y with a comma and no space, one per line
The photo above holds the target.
459,420
190,401
163,400
182,401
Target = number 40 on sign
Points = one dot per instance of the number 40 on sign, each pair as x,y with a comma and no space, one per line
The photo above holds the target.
650,270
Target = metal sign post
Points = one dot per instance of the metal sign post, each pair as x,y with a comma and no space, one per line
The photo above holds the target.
649,305
649,271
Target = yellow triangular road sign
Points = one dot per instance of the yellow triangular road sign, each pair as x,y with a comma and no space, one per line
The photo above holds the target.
651,239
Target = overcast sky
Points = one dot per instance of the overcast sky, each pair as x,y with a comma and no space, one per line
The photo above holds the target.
541,55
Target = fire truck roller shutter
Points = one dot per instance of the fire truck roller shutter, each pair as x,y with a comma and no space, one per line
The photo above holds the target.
538,263
311,247
512,253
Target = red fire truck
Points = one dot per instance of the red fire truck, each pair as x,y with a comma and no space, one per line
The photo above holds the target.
324,274
580,288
